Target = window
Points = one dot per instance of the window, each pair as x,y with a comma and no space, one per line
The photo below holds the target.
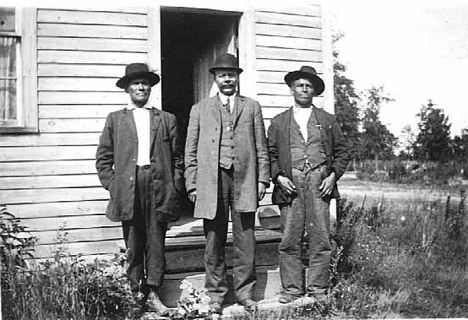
18,75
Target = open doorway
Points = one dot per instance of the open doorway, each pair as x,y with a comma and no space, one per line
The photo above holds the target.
190,42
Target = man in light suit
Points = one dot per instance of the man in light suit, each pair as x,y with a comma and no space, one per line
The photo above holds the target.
308,155
140,162
227,171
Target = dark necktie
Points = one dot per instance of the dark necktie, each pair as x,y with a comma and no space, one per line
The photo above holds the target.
228,106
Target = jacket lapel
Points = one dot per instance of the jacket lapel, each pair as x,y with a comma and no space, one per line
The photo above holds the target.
238,107
155,121
215,108
127,118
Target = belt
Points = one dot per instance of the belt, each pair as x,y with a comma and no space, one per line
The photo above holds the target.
145,167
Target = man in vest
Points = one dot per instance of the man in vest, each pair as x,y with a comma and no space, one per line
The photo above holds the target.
227,172
308,155
140,162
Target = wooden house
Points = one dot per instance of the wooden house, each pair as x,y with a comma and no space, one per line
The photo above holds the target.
58,68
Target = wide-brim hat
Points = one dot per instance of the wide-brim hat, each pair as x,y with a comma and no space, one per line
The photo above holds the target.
226,61
309,73
137,70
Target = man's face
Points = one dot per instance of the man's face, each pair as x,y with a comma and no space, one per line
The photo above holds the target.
139,90
303,92
226,80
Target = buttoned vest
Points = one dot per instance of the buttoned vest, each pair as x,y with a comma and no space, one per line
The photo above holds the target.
227,151
303,152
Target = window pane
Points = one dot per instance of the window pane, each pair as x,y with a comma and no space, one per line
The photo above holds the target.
7,19
8,78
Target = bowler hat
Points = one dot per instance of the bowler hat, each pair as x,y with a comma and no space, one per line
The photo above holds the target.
309,73
226,61
134,71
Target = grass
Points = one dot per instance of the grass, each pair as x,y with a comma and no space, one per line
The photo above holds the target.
392,260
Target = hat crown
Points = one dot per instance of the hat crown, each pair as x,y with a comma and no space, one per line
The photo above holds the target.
136,67
308,69
226,61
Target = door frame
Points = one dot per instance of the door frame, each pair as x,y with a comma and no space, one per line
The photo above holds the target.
246,44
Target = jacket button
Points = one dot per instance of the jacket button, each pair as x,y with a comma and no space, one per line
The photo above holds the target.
131,178
212,140
133,160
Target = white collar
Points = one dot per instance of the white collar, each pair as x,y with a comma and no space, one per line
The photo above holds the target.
224,98
132,106
297,109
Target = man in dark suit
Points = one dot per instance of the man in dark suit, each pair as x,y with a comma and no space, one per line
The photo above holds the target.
308,155
227,172
140,162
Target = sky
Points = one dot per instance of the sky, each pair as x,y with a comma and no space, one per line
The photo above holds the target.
418,50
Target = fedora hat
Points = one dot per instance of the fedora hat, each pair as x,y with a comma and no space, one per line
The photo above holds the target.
309,73
226,61
134,71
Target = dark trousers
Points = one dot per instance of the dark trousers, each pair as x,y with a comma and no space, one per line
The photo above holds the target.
243,223
144,238
308,212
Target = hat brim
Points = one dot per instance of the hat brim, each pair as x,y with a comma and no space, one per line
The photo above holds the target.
212,70
151,76
319,85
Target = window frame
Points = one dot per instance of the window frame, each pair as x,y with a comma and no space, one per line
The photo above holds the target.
26,20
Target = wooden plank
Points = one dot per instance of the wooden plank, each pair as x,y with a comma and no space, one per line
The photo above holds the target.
39,182
54,209
92,247
288,54
78,84
75,98
79,70
288,31
10,197
286,101
77,111
97,8
273,89
288,42
77,235
11,154
89,57
285,66
37,168
270,112
71,125
94,31
288,19
313,10
94,18
85,44
271,77
69,222
49,139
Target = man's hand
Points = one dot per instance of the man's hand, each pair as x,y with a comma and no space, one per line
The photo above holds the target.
192,196
261,191
286,185
327,186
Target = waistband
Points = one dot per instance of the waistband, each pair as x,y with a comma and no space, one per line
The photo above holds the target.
145,167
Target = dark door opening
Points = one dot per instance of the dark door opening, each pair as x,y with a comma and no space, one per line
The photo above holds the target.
190,42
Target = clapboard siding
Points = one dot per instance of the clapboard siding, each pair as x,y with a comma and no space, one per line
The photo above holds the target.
49,179
78,71
92,18
39,168
50,139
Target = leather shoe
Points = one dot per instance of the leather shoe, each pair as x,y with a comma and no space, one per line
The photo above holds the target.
288,298
155,304
249,305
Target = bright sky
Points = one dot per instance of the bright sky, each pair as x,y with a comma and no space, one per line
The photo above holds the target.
418,50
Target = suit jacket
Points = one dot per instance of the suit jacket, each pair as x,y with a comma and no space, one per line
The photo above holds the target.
337,155
116,158
251,162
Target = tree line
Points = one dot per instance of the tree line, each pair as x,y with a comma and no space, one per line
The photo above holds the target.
359,116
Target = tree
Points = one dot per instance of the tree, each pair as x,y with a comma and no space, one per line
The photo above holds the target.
377,142
346,103
433,142
409,137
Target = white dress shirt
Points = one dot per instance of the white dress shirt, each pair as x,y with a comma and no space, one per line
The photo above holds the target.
142,123
232,100
302,115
